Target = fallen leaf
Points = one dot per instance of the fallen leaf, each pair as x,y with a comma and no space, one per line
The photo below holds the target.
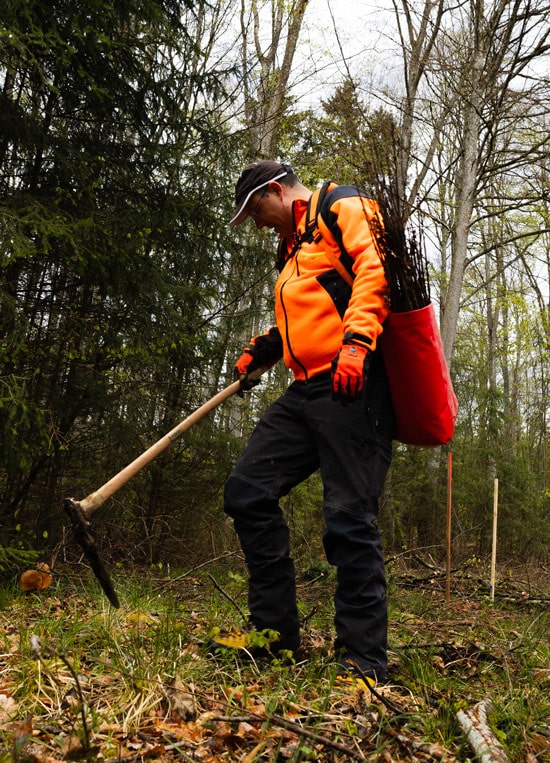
8,708
181,702
21,733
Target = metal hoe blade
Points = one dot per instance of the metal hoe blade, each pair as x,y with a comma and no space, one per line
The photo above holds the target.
84,537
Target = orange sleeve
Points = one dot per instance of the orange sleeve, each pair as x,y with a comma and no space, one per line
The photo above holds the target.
368,306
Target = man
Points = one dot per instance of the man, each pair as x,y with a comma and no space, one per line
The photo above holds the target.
336,417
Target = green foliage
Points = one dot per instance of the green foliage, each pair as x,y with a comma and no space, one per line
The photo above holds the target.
110,248
13,558
23,423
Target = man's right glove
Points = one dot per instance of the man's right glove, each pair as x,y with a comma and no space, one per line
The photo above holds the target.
262,352
349,372
244,366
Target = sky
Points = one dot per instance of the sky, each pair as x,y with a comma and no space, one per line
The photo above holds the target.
346,36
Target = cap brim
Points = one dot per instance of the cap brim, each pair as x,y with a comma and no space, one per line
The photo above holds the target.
241,213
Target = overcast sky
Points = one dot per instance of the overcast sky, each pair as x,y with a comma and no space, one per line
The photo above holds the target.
364,43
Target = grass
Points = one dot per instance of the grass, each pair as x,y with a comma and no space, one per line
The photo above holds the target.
80,680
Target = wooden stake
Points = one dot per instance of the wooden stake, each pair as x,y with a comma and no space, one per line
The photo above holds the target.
449,518
494,549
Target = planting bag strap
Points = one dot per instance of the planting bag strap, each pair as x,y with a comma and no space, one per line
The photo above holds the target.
313,232
336,263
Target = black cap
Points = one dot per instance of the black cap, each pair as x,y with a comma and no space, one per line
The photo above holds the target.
254,177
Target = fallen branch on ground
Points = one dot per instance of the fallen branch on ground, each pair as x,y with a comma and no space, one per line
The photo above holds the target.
278,720
482,740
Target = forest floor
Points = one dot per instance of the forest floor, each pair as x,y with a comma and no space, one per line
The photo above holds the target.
80,680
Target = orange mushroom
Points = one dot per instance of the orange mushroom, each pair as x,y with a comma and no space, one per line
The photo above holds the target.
36,579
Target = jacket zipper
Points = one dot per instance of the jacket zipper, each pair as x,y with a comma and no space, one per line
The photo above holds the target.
288,344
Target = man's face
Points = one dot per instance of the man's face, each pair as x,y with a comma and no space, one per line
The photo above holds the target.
269,208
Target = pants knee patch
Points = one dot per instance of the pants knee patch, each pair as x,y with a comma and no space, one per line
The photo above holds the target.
242,495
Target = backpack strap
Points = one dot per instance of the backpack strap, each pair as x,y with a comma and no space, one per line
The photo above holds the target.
312,232
322,224
317,210
339,266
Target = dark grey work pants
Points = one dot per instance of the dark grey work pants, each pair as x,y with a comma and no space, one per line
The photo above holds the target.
302,431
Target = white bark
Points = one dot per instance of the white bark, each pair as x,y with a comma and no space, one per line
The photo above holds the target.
265,82
480,736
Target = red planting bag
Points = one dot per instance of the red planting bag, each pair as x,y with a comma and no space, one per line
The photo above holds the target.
422,392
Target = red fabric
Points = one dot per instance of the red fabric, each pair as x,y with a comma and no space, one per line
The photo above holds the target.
422,392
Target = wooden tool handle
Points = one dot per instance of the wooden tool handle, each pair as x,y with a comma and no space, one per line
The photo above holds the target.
92,502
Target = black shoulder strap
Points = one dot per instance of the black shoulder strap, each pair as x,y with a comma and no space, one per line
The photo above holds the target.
316,199
311,231
343,263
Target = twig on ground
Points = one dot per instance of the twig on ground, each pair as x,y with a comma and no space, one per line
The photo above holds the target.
227,596
36,647
184,575
278,720
428,645
385,701
435,751
308,616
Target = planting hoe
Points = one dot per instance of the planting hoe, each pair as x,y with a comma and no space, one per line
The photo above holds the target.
80,512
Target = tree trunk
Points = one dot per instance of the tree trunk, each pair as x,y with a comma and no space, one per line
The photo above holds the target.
266,86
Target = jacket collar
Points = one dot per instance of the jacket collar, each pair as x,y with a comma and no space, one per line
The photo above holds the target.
299,209
289,245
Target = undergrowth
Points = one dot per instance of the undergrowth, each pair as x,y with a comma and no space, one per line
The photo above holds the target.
79,679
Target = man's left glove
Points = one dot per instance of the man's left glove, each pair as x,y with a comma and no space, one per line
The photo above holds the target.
349,372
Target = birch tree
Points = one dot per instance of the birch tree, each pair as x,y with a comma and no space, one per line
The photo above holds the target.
269,35
270,31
